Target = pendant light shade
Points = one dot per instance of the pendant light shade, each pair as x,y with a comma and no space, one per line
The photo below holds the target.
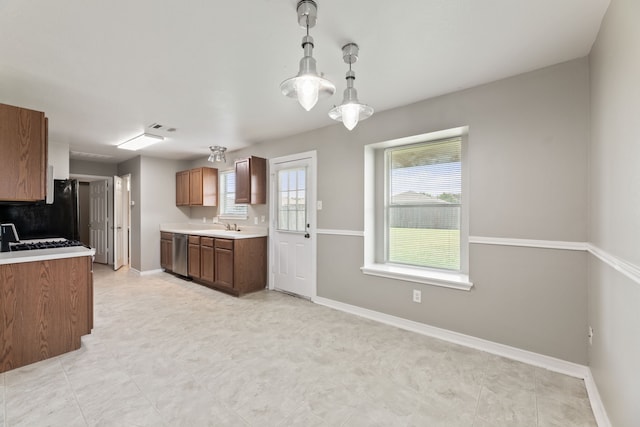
307,86
217,154
351,111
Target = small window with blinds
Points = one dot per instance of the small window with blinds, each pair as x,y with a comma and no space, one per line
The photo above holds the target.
423,204
227,197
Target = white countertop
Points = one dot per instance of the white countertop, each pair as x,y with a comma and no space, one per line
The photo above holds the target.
214,230
44,254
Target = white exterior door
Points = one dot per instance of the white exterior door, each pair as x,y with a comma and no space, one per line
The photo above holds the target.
98,219
118,220
293,243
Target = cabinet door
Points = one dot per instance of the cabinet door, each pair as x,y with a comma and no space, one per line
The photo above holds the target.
206,264
166,254
224,267
182,188
243,181
209,187
23,162
194,261
195,190
251,180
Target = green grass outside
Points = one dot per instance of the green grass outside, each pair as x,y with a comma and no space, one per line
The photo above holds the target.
425,247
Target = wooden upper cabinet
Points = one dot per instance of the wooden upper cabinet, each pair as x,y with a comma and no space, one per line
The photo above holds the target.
251,180
23,158
182,188
197,187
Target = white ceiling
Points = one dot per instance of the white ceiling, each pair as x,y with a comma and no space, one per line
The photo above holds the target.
103,71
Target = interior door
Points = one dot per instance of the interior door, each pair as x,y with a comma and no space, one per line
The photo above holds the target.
98,220
118,219
293,242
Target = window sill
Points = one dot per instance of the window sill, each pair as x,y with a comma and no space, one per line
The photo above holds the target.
418,275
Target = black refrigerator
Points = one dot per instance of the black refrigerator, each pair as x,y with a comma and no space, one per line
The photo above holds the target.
40,220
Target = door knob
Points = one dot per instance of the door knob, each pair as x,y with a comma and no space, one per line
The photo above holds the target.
306,235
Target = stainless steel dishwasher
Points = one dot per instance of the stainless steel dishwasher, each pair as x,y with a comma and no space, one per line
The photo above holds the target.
180,254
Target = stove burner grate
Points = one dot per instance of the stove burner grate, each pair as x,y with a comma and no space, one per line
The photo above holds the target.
46,245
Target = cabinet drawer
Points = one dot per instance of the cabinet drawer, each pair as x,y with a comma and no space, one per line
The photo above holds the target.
206,241
194,240
166,236
224,244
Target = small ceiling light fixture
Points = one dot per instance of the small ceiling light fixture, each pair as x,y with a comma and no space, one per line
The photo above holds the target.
351,110
217,154
307,85
140,142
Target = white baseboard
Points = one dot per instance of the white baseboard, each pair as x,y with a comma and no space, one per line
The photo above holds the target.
146,272
551,363
599,411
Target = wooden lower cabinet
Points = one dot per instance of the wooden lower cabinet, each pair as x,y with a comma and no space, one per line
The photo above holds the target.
241,265
46,307
235,266
194,257
224,263
207,260
166,251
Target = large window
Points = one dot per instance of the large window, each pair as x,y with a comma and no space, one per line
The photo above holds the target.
423,204
227,197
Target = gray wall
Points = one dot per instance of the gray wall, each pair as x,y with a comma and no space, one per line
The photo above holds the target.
85,167
134,168
157,205
528,141
614,211
153,188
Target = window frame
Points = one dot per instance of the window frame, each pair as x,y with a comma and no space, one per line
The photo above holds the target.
222,205
388,204
375,216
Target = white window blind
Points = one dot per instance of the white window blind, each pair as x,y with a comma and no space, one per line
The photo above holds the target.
227,199
423,204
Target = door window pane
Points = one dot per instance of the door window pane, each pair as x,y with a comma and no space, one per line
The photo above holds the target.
292,204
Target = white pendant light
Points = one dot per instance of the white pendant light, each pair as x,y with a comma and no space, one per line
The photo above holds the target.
351,111
307,86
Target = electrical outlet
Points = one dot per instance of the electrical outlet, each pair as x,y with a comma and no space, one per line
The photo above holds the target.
255,220
262,218
319,205
417,296
590,335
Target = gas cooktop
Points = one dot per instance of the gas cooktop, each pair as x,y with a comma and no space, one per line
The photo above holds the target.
27,245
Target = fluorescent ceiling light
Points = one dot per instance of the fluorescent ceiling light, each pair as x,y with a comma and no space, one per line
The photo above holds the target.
140,142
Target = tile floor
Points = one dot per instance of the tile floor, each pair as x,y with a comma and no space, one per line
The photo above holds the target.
165,352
